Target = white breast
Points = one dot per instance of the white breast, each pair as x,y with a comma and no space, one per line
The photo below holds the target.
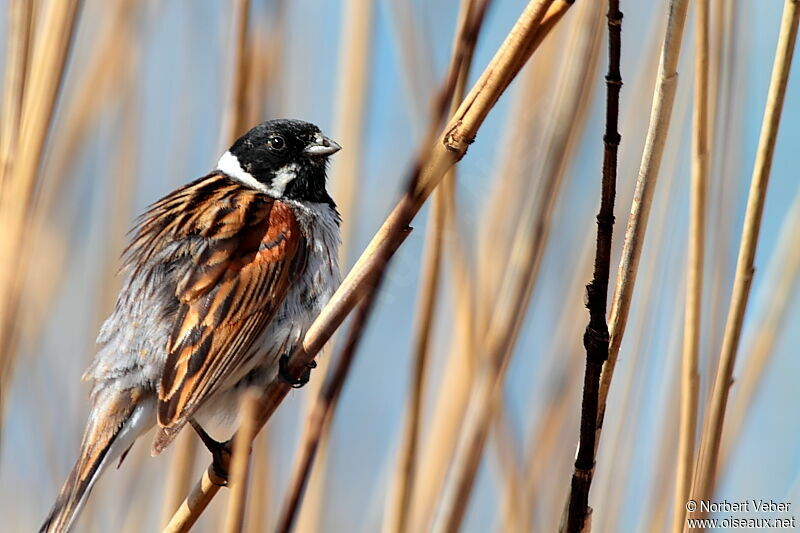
309,294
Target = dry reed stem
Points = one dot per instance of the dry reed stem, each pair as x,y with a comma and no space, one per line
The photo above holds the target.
349,111
712,429
195,503
258,514
722,198
16,67
396,517
50,50
596,336
509,465
780,282
234,121
456,386
618,440
516,291
240,462
352,99
415,58
660,115
451,145
179,475
690,378
324,408
524,152
402,485
457,381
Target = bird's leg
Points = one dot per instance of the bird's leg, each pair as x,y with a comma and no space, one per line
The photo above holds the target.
220,453
283,372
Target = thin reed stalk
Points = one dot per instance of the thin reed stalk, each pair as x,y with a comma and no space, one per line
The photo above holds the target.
240,463
16,67
516,290
705,475
450,146
322,413
397,516
596,336
259,513
351,104
42,85
780,284
457,383
352,99
660,117
690,378
234,122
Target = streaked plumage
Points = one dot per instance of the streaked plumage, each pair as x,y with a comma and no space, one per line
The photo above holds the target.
222,277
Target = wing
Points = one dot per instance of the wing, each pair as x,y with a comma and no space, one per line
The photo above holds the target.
233,254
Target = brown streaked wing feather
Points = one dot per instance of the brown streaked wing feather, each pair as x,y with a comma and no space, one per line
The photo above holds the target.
241,247
226,301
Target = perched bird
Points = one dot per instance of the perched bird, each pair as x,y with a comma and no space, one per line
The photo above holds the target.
222,278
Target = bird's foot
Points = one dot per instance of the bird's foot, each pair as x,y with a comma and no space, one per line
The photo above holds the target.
220,454
295,383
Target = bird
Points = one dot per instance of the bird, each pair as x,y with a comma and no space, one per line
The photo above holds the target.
221,279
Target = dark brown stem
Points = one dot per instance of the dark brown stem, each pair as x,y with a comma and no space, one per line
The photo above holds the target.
596,337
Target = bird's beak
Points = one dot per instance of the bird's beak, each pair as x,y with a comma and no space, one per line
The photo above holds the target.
322,146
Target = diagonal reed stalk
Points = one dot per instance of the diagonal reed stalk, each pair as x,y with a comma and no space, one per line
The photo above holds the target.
690,379
456,386
705,475
396,518
516,285
450,146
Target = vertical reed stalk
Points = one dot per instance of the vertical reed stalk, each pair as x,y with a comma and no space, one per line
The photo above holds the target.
322,413
694,282
20,24
352,100
596,337
705,475
397,516
41,88
660,116
240,462
350,109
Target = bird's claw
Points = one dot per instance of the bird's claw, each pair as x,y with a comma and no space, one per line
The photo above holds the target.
295,383
220,454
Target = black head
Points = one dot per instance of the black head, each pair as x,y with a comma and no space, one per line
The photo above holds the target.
282,158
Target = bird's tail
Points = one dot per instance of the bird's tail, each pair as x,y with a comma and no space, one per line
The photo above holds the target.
116,420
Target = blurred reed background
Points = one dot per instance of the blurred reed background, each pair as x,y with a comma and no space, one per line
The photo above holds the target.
476,334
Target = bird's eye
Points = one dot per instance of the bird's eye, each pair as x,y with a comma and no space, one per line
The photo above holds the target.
276,142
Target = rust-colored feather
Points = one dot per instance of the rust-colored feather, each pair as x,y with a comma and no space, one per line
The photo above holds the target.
239,247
